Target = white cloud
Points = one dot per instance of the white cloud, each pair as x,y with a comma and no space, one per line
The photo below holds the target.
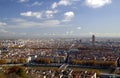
63,3
31,14
23,1
50,23
3,31
49,13
79,28
23,33
36,3
39,15
2,24
68,16
17,20
97,3
54,5
69,32
22,23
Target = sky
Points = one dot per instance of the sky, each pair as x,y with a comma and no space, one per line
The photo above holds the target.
39,18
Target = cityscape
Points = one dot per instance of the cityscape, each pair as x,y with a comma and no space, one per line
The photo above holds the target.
60,58
59,39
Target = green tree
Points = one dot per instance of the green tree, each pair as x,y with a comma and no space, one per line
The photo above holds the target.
21,60
2,75
44,60
20,71
13,61
3,61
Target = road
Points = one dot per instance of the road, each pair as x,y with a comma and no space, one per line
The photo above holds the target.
107,75
12,65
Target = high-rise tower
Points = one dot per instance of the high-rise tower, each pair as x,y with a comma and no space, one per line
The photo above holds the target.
93,39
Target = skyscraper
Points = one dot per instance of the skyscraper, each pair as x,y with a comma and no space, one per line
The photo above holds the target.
93,39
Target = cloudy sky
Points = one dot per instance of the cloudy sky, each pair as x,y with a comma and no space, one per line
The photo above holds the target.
59,18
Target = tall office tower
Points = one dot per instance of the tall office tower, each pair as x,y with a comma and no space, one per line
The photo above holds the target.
93,39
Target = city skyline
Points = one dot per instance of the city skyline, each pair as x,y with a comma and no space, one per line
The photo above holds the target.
66,18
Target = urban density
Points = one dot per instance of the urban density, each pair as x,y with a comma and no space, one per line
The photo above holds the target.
60,58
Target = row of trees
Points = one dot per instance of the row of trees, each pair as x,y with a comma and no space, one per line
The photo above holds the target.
95,63
20,60
44,60
3,61
13,61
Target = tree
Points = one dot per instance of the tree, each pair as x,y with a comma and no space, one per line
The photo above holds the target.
21,60
44,60
13,61
17,70
3,61
20,72
2,75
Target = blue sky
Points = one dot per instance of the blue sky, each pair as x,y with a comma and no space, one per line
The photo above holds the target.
59,18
